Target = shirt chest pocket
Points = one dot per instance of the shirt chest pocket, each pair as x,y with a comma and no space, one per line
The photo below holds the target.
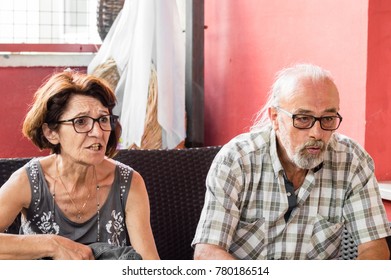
325,240
249,238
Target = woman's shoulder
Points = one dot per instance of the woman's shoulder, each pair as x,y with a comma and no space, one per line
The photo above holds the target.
43,162
122,165
127,173
112,165
27,170
20,181
122,173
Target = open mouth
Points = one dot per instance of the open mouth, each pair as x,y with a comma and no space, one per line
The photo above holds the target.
95,147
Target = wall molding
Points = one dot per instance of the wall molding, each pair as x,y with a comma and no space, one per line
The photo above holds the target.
50,59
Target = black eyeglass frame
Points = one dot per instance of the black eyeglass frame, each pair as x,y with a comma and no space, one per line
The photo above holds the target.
113,120
315,119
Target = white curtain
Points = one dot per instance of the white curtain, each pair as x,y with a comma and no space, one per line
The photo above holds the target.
146,32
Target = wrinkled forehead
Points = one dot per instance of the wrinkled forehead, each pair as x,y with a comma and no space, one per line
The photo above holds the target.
84,105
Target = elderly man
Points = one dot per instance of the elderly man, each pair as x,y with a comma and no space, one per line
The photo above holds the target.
287,189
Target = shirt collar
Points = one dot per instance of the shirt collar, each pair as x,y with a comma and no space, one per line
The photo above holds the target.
277,167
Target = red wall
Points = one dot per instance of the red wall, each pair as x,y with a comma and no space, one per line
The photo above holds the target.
246,42
18,85
378,99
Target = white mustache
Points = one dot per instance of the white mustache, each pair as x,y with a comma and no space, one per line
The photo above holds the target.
314,144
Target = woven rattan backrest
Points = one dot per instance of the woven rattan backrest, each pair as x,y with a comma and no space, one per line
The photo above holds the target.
175,181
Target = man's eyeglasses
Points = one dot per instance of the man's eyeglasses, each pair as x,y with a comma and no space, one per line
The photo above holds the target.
85,124
303,121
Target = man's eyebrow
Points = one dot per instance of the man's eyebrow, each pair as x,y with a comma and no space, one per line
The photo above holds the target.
309,112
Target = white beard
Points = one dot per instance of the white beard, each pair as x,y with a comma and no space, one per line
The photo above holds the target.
300,157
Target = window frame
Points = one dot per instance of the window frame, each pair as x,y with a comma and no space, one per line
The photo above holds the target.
17,48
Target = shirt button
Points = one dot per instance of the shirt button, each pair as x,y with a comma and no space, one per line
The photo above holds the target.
288,194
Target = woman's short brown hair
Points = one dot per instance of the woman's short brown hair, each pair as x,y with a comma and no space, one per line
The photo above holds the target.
51,99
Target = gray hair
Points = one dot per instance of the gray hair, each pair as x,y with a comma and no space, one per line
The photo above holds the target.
284,84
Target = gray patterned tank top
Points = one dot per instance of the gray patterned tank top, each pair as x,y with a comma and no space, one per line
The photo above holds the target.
45,217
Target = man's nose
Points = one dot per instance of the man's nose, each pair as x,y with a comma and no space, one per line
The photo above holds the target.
316,131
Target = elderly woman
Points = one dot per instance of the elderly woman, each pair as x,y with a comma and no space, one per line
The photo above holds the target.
78,195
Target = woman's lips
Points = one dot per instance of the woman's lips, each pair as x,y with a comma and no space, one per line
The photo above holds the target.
95,147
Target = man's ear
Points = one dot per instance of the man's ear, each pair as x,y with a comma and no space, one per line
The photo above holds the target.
50,135
273,116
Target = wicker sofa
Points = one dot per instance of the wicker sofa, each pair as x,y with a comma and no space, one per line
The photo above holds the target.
175,181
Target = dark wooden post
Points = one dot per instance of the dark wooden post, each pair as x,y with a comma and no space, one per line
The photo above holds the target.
195,73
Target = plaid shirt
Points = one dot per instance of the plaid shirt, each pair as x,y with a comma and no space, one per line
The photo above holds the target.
246,201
